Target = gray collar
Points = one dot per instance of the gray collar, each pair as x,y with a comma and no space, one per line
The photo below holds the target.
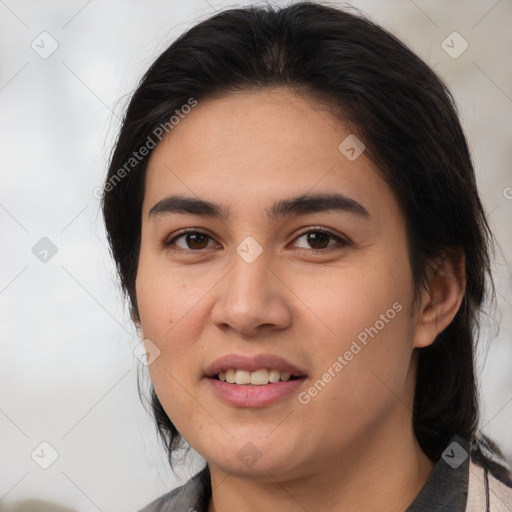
446,489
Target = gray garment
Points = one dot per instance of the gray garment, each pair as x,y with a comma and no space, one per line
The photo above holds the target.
33,505
446,489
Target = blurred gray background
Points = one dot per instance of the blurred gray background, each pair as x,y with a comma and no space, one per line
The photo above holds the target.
68,376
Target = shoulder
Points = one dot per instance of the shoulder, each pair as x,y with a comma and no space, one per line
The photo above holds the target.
193,496
486,492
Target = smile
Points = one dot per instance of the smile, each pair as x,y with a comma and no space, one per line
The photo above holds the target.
257,378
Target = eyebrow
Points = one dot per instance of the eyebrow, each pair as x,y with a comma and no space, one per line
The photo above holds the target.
305,203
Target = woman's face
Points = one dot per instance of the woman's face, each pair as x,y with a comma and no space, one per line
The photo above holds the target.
301,267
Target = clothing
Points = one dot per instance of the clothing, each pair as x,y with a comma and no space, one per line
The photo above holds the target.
456,484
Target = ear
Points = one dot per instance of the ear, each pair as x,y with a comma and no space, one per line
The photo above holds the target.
441,298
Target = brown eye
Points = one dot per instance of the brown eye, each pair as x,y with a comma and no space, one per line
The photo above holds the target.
192,240
320,239
196,241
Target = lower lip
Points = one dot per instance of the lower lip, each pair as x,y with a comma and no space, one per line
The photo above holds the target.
254,396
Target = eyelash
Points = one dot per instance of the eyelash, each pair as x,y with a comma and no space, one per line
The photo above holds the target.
342,241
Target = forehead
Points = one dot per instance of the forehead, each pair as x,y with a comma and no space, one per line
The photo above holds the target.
247,149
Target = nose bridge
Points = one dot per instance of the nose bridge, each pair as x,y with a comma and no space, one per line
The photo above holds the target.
251,295
250,279
250,262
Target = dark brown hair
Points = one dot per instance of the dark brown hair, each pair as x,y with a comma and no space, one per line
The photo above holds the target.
394,103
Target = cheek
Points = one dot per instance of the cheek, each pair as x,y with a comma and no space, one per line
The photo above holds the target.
345,304
166,297
172,313
357,385
363,354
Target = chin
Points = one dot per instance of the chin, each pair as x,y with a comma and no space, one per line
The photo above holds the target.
256,457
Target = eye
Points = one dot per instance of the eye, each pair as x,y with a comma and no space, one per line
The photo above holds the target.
318,239
192,240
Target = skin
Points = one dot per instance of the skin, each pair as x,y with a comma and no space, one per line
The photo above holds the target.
352,447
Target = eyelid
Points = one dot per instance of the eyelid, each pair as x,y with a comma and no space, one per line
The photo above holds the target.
168,241
342,240
321,229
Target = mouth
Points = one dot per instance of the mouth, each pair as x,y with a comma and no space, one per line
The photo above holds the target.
256,381
256,370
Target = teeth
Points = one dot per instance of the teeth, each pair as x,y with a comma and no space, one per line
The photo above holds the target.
230,376
242,377
257,378
274,375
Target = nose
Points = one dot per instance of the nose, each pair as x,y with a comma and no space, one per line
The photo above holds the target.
252,298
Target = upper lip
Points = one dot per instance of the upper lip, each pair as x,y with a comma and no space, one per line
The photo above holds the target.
252,364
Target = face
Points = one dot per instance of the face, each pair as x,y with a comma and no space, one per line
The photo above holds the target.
298,266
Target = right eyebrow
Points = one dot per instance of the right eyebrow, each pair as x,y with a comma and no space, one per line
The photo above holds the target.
188,205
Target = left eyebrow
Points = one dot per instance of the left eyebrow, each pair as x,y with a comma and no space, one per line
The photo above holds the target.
300,205
316,203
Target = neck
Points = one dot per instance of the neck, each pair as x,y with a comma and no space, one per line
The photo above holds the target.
385,474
